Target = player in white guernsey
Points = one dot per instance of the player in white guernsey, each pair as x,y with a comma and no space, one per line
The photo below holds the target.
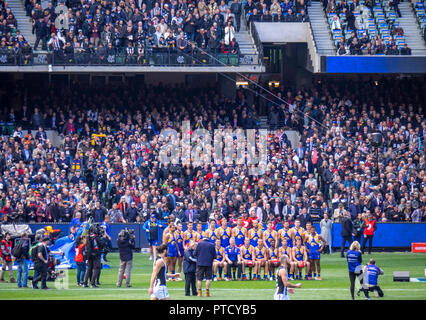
158,287
283,286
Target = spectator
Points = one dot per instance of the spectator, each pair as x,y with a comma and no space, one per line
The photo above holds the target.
40,29
347,232
405,51
339,213
326,232
115,214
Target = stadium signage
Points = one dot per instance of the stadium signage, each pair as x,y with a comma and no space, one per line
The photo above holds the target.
198,147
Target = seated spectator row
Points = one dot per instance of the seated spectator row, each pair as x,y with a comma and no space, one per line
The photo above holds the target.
121,23
277,11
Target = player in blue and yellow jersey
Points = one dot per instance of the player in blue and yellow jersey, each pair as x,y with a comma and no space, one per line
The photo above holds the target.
297,232
300,257
198,234
210,233
219,261
239,232
189,234
285,233
180,242
307,232
314,249
233,259
286,250
169,238
247,257
224,233
255,234
269,235
261,260
273,259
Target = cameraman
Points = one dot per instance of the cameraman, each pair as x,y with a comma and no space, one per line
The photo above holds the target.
107,237
93,257
125,244
6,257
41,262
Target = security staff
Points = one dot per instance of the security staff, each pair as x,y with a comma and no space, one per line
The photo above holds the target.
93,259
41,263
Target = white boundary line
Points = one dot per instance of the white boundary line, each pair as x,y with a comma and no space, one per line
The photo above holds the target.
213,289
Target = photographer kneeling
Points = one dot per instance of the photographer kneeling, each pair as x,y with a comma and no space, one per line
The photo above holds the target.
125,244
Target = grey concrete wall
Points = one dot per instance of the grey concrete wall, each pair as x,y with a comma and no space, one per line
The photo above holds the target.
282,31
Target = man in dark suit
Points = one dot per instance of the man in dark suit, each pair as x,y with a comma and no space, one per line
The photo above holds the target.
40,29
236,10
347,232
27,154
205,254
304,217
189,268
190,214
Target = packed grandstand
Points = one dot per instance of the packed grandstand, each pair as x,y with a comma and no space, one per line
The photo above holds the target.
107,160
205,32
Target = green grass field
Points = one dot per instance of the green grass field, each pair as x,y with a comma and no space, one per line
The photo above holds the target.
334,286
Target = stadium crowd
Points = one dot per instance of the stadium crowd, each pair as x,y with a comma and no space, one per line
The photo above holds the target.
108,161
276,11
11,39
98,31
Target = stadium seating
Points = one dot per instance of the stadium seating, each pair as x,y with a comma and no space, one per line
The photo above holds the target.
419,9
380,21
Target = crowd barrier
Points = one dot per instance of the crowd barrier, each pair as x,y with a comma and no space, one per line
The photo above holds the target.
157,57
388,235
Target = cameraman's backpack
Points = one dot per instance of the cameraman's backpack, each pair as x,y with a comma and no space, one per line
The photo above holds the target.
17,250
33,250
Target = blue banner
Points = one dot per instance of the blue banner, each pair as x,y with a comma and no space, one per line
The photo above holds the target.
375,64
388,235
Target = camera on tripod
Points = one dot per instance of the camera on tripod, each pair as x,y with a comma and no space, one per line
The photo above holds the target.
97,231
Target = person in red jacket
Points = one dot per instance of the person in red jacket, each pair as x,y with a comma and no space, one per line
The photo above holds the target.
370,228
80,259
6,257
